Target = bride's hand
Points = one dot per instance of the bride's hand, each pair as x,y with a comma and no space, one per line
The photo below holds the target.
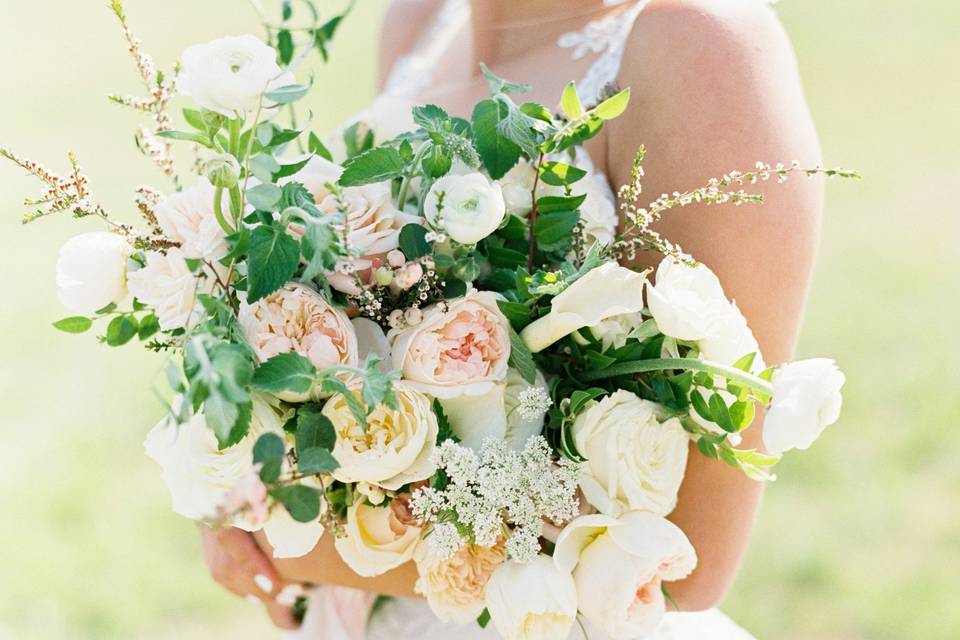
240,566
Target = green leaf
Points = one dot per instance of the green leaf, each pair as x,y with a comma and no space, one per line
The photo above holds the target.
554,228
549,204
580,398
721,413
317,460
332,384
746,362
484,618
285,372
285,46
413,242
324,35
506,258
320,246
707,448
189,137
149,325
121,330
700,406
518,127
499,85
195,119
570,102
287,94
559,174
300,501
74,324
315,146
265,197
755,458
221,415
521,359
314,430
436,162
273,259
614,106
431,117
378,386
742,413
376,165
497,153
268,452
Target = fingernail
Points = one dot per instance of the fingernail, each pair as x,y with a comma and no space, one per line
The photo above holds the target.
265,583
252,598
289,594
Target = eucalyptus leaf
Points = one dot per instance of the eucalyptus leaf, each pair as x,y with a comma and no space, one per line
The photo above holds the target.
301,502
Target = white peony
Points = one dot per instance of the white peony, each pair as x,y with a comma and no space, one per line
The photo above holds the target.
167,284
461,347
532,601
230,74
598,215
197,472
687,302
806,400
472,207
730,340
187,217
92,271
636,460
377,539
607,291
394,448
618,567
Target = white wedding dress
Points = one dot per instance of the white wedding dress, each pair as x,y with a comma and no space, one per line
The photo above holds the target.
409,619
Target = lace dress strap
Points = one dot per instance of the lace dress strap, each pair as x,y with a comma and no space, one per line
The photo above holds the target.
606,37
412,73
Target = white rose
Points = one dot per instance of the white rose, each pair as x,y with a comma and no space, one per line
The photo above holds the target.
598,215
377,539
496,414
472,208
454,587
167,284
92,271
394,448
532,601
187,217
517,187
230,74
618,566
806,400
461,347
634,461
609,290
197,472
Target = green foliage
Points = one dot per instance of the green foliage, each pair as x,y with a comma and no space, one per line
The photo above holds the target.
376,165
288,94
285,372
121,330
273,259
269,452
74,324
413,241
300,501
521,359
497,152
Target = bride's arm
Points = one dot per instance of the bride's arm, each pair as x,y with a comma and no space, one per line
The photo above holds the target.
715,88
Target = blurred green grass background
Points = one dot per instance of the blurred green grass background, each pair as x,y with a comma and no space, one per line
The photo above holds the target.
859,539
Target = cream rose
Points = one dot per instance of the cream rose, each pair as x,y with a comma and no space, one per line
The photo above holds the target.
618,566
230,74
533,601
187,217
636,460
471,209
167,284
395,448
460,348
806,400
92,271
378,539
454,587
298,319
609,290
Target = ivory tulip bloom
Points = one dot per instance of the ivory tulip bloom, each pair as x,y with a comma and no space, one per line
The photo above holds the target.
634,461
618,566
92,271
532,601
609,290
806,400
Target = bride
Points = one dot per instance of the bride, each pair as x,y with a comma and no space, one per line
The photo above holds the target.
715,86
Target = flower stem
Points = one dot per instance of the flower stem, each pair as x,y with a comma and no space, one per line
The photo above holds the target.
407,179
732,374
218,211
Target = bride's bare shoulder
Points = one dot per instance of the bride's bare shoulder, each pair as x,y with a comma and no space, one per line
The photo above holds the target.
402,25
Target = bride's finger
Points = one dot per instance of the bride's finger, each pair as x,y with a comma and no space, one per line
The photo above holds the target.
281,616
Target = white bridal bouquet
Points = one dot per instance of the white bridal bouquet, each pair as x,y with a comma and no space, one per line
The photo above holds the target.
424,345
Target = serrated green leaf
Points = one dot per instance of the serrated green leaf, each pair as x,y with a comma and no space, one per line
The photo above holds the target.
497,153
74,324
554,227
285,372
314,430
273,259
521,359
376,165
315,146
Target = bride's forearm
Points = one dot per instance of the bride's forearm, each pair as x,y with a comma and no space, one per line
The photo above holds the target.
323,565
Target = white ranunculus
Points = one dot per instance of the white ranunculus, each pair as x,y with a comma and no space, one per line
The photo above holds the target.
197,472
598,215
288,537
636,460
92,271
496,414
614,331
461,347
472,207
532,601
609,290
806,400
517,188
394,448
230,74
167,284
618,566
187,217
377,539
